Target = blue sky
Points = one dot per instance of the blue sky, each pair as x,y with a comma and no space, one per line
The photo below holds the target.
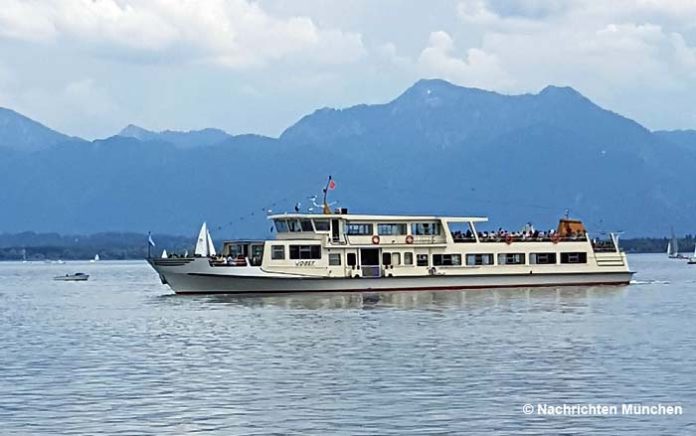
89,67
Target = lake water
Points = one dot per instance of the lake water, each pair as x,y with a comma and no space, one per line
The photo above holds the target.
120,354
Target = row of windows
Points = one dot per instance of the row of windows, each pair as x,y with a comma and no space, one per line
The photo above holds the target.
296,252
303,225
314,252
519,258
389,229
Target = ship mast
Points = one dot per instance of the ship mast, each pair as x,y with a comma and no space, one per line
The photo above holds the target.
330,184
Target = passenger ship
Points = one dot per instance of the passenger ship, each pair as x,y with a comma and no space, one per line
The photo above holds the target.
347,252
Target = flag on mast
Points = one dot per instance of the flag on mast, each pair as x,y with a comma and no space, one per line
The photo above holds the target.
149,239
332,185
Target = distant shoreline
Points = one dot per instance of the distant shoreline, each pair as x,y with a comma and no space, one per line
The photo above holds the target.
132,246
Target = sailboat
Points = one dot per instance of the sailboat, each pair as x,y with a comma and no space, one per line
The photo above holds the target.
96,258
204,245
164,254
692,259
673,247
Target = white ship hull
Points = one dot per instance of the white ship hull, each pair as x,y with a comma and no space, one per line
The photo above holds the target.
197,277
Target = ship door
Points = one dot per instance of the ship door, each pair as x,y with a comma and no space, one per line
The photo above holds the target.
369,262
335,231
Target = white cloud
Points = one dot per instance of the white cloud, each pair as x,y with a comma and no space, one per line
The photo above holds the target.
478,68
233,33
259,64
24,20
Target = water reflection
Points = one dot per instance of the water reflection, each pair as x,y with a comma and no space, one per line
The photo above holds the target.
564,298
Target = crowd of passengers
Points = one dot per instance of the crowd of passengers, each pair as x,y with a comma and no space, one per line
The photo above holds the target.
527,234
221,260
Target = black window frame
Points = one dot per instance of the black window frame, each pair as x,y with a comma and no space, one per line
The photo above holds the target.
358,229
478,259
385,229
386,258
333,257
306,225
281,226
419,229
447,259
574,257
322,225
506,257
294,226
550,258
274,251
407,257
305,252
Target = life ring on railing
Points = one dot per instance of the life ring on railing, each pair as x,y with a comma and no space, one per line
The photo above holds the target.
375,240
555,238
409,239
508,239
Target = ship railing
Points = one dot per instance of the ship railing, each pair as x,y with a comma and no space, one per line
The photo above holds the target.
510,238
604,247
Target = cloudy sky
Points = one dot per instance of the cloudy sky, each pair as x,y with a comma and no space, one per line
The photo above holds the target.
89,67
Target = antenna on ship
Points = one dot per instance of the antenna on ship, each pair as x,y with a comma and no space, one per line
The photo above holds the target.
330,186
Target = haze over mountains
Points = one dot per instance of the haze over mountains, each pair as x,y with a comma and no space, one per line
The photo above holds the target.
436,149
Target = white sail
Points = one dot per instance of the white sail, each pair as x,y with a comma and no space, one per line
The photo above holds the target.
674,244
96,257
669,248
164,254
202,243
209,243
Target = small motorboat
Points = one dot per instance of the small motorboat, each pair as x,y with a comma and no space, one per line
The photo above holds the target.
77,277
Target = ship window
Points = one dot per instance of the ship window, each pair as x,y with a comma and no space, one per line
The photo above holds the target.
479,259
429,229
358,229
422,260
321,225
281,226
386,259
351,259
542,258
306,225
391,229
408,258
334,259
278,252
447,259
305,252
396,258
294,226
511,259
573,257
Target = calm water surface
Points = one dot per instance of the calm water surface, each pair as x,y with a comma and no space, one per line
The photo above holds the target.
121,355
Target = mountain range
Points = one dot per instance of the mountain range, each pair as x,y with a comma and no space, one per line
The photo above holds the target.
437,148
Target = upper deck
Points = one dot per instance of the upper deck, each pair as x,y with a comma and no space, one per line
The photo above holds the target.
359,229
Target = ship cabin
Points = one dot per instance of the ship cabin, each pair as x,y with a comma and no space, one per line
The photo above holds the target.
350,245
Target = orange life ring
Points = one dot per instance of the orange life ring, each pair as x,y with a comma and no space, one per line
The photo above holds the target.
555,238
375,240
409,239
508,239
